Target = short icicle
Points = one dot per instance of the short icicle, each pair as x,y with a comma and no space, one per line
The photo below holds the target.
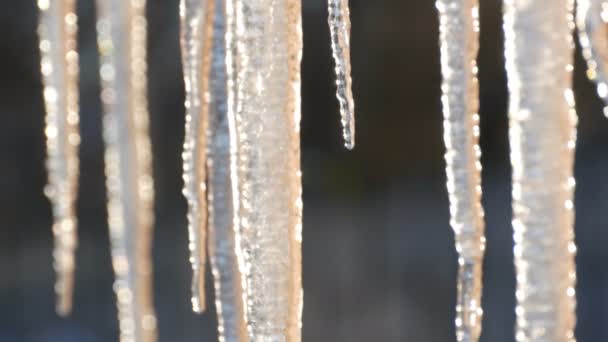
339,25
121,29
222,256
265,164
59,66
459,30
539,55
591,21
196,42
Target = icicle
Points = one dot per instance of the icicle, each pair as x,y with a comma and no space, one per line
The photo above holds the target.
459,27
339,25
196,29
592,18
224,265
265,164
121,29
539,53
59,67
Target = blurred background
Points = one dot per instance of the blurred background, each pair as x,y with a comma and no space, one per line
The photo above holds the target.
379,261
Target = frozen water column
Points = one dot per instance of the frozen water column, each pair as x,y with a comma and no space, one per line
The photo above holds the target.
459,41
265,143
539,53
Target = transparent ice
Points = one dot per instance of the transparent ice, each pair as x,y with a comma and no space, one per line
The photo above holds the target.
121,33
591,20
459,40
339,25
196,33
265,162
57,30
539,54
224,265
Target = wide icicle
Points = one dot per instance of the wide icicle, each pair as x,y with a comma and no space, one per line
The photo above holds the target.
121,29
339,26
59,66
539,53
221,237
459,30
265,163
196,42
591,20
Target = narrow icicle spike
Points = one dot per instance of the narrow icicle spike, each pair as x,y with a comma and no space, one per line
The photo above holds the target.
224,265
59,67
539,55
265,165
121,30
459,31
196,30
339,25
592,23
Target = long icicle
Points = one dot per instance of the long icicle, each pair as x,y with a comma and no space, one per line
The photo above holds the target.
59,66
592,20
196,43
539,53
459,29
121,29
339,25
265,165
224,265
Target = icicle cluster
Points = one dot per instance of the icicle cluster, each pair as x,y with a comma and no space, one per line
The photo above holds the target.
248,140
59,67
121,30
592,18
339,25
539,53
459,30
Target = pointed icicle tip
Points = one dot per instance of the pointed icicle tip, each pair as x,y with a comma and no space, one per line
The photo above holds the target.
339,26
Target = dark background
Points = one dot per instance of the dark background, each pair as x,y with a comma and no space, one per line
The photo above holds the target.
379,261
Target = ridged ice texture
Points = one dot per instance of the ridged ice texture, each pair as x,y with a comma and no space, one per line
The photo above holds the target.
539,53
459,31
121,29
591,20
224,265
196,29
59,67
265,164
339,26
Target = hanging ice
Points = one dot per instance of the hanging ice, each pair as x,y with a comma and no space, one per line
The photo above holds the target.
539,53
265,163
459,29
339,25
59,67
121,30
591,20
196,30
227,279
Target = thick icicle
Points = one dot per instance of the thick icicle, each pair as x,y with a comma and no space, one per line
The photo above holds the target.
224,265
196,29
339,25
591,20
59,67
265,164
121,30
459,29
539,53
